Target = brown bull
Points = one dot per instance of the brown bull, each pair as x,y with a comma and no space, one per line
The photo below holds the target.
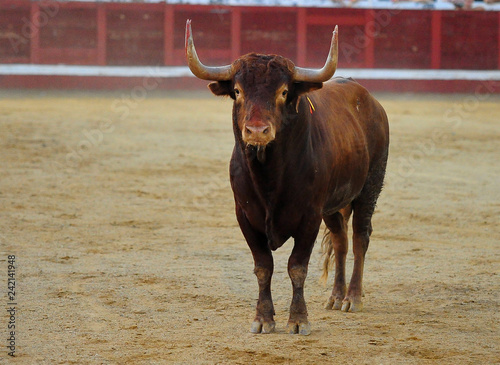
306,150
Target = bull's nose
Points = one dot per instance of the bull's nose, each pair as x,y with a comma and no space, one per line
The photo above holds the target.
258,134
257,130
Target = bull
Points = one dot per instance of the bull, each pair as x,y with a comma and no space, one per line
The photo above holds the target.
308,148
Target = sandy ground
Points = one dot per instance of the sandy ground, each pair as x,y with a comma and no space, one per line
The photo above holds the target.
120,215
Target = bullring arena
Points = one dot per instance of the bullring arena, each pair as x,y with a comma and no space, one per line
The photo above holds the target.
117,208
129,252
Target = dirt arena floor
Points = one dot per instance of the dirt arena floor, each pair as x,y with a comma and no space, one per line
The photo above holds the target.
119,212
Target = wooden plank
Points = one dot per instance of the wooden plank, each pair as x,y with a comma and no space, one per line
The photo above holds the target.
301,37
335,20
235,34
370,40
436,40
69,56
35,33
212,53
135,6
168,34
57,4
10,4
101,34
15,60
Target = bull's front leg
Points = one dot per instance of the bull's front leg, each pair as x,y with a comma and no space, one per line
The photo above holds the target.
297,270
264,266
264,321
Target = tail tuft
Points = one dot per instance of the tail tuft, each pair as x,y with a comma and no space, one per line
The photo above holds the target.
328,255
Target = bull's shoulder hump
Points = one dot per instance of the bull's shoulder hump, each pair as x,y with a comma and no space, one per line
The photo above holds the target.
342,89
342,83
342,80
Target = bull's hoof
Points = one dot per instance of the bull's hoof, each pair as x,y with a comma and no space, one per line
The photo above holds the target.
259,327
349,305
333,303
338,294
303,329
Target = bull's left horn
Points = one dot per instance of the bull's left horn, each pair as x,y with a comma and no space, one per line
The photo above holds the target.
222,73
325,73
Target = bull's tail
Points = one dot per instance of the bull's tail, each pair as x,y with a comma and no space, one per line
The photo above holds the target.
328,255
327,246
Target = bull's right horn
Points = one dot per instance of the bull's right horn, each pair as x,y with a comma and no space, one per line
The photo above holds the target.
222,73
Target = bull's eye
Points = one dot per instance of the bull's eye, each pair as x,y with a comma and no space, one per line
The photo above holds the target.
284,93
236,91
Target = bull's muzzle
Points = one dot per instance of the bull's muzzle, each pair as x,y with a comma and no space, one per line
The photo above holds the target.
258,134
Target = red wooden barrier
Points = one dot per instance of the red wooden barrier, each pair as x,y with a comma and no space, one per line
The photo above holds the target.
153,34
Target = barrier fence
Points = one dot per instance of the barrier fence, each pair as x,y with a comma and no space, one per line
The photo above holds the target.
152,35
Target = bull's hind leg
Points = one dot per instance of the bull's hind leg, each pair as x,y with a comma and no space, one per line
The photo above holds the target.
264,266
337,245
363,208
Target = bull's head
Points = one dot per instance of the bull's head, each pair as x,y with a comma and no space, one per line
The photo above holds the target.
264,88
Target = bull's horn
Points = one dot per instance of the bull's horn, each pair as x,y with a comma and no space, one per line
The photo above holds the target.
201,71
325,73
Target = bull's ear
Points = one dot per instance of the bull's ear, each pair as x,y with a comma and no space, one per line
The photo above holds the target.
222,88
301,88
305,87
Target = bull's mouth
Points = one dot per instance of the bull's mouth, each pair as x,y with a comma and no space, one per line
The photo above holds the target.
256,143
258,151
261,154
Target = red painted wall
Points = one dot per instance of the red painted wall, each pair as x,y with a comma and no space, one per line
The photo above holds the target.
153,34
